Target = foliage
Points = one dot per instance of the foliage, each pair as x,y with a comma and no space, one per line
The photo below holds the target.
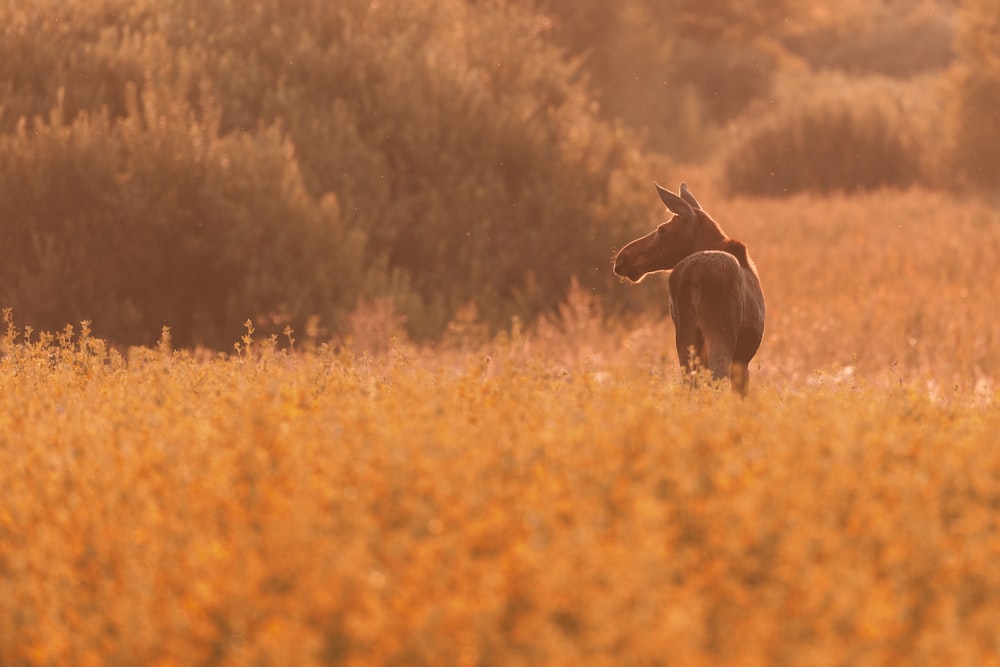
466,163
479,506
865,38
154,218
836,137
977,94
675,70
194,164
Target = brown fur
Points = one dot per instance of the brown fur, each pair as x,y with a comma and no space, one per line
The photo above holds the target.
716,300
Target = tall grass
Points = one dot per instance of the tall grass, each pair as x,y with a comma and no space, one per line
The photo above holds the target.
482,505
893,284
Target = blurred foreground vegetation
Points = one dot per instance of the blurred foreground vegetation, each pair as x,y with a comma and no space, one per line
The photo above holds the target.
193,164
493,504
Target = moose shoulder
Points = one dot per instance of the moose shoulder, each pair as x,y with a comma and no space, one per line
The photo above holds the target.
716,300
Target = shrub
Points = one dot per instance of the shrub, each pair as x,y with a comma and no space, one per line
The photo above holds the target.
845,139
155,219
466,159
468,153
977,95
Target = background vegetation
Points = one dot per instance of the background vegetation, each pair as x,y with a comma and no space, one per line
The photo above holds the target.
193,164
286,161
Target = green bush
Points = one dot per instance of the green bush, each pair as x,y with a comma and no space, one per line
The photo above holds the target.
465,159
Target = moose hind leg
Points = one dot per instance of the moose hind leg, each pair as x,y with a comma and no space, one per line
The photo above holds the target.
719,350
720,360
739,377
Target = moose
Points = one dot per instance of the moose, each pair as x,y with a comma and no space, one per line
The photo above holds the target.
716,301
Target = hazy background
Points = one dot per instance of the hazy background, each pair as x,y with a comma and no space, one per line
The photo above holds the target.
194,164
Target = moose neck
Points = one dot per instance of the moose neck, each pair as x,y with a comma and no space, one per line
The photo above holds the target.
711,237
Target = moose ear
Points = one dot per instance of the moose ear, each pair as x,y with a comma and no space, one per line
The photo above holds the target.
688,197
674,203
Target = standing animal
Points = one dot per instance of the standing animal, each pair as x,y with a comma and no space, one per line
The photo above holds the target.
716,300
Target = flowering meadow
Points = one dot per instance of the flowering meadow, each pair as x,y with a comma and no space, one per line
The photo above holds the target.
491,504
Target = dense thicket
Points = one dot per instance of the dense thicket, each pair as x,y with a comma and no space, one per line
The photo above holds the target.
287,159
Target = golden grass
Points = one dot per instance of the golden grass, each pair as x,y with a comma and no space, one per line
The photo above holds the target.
896,285
324,509
546,499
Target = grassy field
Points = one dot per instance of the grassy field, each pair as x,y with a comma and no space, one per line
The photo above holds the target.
550,497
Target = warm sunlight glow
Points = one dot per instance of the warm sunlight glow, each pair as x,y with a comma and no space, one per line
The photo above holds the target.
337,333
